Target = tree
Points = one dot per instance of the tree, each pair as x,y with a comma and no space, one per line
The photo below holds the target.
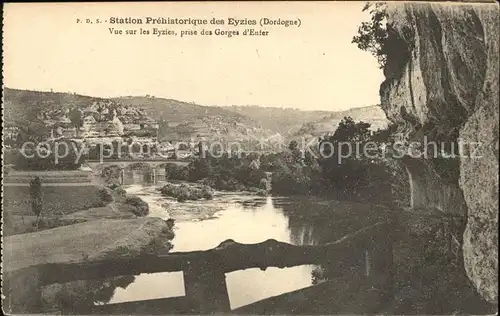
348,130
385,135
76,118
372,35
36,198
199,169
100,109
345,170
201,150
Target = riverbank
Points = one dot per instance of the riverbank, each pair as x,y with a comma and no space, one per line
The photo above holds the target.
95,203
81,242
97,222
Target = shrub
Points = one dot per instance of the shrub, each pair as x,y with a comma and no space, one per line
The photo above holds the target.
117,189
176,172
199,169
120,191
140,208
206,193
184,192
10,156
113,186
105,196
112,175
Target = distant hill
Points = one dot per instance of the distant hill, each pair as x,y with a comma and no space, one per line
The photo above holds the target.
179,111
25,105
295,122
370,114
286,121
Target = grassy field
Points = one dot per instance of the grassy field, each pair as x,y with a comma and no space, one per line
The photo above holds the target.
57,200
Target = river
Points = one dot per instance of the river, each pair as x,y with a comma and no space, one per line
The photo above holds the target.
245,218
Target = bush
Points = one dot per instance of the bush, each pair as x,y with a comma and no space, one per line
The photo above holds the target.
228,173
120,191
199,169
36,197
105,196
113,186
117,189
176,172
206,193
290,183
63,161
140,208
184,192
112,175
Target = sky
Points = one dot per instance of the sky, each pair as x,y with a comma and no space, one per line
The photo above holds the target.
311,67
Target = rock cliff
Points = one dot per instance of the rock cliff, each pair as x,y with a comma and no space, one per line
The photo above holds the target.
441,87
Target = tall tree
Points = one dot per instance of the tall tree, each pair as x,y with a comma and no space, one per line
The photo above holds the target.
372,35
76,117
36,198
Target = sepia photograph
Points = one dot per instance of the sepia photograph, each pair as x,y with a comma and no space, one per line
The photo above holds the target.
250,158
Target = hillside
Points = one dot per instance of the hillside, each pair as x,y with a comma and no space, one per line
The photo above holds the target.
25,105
185,120
182,120
282,120
370,114
295,122
51,107
40,109
177,111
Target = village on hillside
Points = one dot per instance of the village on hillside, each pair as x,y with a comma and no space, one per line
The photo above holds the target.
99,122
108,121
93,121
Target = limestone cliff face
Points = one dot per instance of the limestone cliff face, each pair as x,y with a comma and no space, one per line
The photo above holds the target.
442,84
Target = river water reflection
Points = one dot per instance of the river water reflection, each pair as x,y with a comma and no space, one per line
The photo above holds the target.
202,225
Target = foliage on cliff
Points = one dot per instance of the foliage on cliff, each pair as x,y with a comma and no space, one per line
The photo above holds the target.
372,35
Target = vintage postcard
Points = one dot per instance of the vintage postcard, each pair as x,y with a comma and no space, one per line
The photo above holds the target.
250,158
